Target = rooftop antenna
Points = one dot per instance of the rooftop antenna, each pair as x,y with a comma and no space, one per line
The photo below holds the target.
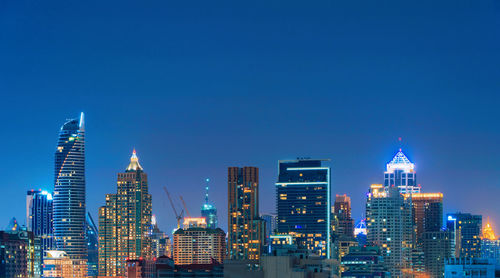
206,190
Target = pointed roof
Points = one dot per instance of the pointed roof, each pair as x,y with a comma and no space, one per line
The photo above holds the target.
81,124
134,163
488,232
400,162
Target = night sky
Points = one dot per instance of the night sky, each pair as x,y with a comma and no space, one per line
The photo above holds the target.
197,86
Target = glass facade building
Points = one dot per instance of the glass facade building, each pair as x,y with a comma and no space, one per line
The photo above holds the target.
303,203
466,233
400,172
39,217
69,190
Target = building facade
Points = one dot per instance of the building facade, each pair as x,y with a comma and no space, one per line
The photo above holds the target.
363,261
39,218
271,225
490,244
58,264
303,203
160,242
197,244
209,211
400,172
437,249
427,213
342,210
470,268
69,190
246,228
20,254
466,232
125,222
92,247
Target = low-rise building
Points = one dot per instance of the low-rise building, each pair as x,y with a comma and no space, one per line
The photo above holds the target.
471,267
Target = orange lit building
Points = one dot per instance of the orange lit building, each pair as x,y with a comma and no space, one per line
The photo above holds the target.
427,212
490,243
197,244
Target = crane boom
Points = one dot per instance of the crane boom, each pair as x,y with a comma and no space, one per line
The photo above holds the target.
177,216
185,207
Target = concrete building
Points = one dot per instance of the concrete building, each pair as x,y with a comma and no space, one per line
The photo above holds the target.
57,264
165,267
437,249
20,254
471,267
362,261
342,210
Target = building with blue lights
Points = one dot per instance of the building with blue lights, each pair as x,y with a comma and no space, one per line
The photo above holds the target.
465,229
303,203
69,190
400,172
92,246
39,217
209,211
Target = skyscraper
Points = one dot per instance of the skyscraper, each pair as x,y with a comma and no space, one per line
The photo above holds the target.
69,190
160,242
389,226
400,172
303,203
342,209
93,246
39,217
209,211
246,228
437,249
125,221
490,244
466,233
427,212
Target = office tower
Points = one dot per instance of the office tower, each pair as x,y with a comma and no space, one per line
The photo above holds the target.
20,254
209,211
400,172
342,209
271,225
466,234
93,247
490,244
246,228
363,261
124,222
160,242
39,216
69,190
58,264
427,212
437,249
389,226
303,203
197,244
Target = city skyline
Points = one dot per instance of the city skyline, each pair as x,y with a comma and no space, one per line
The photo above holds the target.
198,90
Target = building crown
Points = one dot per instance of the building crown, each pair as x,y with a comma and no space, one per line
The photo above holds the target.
400,162
488,232
134,163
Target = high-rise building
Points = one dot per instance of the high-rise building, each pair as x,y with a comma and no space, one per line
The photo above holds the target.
160,242
20,254
303,203
69,190
197,244
246,228
363,261
466,234
389,226
436,246
342,209
125,221
58,264
427,212
92,247
400,172
39,217
271,225
490,244
209,211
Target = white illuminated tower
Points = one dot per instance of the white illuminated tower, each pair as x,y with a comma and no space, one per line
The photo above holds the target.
400,172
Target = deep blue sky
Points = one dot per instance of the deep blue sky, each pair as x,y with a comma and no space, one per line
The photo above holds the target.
197,86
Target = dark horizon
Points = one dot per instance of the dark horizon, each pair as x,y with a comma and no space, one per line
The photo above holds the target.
196,88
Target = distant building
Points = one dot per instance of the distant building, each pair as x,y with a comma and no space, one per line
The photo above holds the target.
303,203
197,244
389,226
427,212
342,245
490,244
39,218
246,228
165,267
92,247
69,190
363,262
466,232
125,221
160,242
271,225
209,211
400,172
342,209
140,268
360,232
437,249
57,264
20,254
471,267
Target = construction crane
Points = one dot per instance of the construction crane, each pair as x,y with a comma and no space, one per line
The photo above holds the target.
185,207
177,216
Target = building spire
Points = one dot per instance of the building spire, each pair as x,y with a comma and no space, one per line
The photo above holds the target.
82,121
488,232
134,162
206,191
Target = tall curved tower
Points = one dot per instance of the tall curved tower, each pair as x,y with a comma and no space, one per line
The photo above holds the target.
69,190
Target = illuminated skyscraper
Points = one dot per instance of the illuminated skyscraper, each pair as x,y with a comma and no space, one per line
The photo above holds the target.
342,209
303,203
69,190
39,217
246,228
125,222
400,172
490,244
209,211
466,233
